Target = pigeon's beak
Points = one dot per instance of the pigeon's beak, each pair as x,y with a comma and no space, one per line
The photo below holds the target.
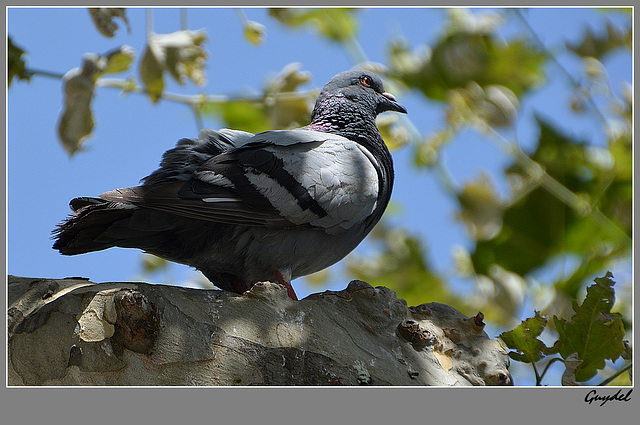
389,103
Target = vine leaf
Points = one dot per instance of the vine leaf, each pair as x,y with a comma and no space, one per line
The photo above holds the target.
103,19
538,225
469,51
400,258
481,208
15,63
179,53
598,45
594,333
289,112
280,106
152,264
76,121
524,340
246,114
337,24
393,132
254,32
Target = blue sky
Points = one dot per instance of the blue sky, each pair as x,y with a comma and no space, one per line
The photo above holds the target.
131,134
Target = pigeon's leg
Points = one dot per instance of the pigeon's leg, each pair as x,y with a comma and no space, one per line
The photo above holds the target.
239,285
287,284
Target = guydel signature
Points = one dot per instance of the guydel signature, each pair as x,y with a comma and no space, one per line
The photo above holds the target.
593,396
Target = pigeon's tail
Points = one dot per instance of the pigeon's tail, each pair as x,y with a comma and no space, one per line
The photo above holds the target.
94,226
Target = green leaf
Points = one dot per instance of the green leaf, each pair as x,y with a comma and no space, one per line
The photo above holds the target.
497,106
524,340
319,278
539,225
481,208
152,74
615,185
152,264
289,79
466,54
118,60
76,120
242,114
400,264
254,32
392,130
598,45
594,332
284,108
337,24
516,65
180,53
570,286
16,66
532,231
477,22
103,19
281,106
427,151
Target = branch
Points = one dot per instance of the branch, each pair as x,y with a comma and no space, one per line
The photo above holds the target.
74,332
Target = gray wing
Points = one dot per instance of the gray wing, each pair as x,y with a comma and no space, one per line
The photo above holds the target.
286,178
180,162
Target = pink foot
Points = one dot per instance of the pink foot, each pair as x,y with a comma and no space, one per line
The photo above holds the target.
239,285
282,281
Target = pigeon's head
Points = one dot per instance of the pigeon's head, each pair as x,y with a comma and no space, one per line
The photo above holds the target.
357,90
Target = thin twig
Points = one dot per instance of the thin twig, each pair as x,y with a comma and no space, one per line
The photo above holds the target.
447,180
535,371
200,99
183,19
242,16
543,49
37,72
355,50
546,368
149,22
615,375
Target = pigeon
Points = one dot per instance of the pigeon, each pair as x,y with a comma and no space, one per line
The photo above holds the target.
244,208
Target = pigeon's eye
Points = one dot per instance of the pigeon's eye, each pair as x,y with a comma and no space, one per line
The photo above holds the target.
366,81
